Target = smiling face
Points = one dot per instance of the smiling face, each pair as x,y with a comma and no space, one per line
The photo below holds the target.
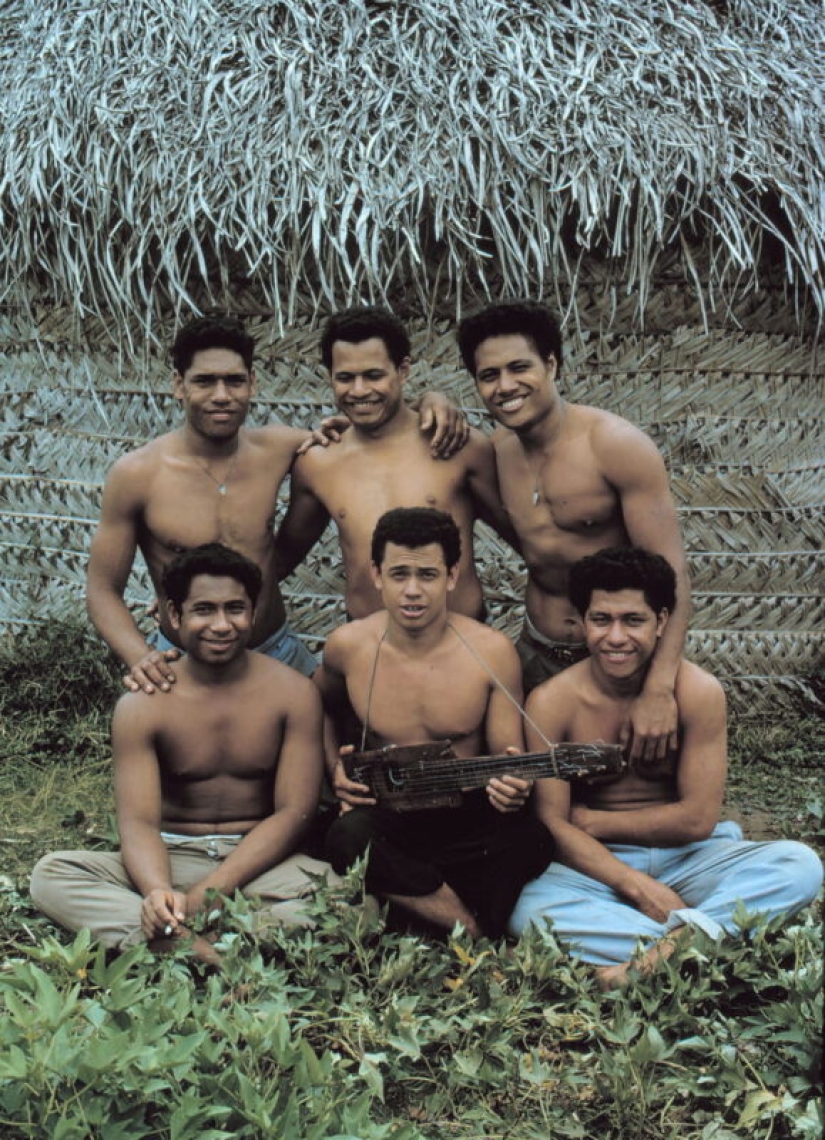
215,392
368,386
414,584
517,386
214,623
622,632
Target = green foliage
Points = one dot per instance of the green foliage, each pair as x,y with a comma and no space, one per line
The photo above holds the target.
60,670
350,1031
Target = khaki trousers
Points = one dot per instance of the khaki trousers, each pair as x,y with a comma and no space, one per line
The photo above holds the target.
92,890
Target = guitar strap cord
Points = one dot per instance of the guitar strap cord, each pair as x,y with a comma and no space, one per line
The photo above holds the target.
490,673
503,688
365,727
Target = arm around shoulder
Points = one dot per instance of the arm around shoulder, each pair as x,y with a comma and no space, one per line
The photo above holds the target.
305,520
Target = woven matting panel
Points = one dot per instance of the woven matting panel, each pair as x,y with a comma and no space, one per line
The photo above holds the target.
736,416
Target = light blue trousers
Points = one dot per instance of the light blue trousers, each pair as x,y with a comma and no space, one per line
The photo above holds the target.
283,645
712,876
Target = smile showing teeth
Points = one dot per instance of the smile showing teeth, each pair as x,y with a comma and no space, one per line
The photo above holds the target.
512,405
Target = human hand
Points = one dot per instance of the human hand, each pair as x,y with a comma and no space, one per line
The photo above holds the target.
200,897
448,424
649,730
350,793
509,793
330,430
650,896
152,672
162,912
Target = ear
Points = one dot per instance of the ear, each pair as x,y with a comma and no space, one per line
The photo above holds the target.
661,621
174,614
452,578
253,383
177,385
375,574
404,370
552,367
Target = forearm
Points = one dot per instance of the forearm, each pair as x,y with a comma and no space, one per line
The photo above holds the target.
665,663
267,844
660,825
145,857
111,618
587,855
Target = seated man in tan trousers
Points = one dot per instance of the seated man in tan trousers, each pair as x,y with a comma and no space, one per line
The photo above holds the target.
214,786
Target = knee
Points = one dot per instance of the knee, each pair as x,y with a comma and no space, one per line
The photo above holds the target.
348,839
802,869
43,876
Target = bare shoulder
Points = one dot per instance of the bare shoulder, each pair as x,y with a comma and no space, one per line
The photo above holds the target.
287,685
615,439
278,439
697,692
347,641
139,714
560,692
133,471
486,640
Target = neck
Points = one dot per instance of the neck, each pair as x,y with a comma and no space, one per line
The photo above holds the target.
204,447
417,642
398,425
540,435
619,688
210,676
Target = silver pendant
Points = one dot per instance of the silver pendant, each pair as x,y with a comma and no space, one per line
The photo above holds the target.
221,488
536,496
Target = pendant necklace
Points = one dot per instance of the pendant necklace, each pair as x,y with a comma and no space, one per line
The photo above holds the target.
537,474
220,483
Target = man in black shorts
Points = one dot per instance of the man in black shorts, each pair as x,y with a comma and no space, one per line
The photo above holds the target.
415,672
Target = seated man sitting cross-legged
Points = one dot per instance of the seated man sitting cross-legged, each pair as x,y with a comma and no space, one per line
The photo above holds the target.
214,785
644,858
414,673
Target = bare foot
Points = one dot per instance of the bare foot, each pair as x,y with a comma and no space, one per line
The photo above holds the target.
201,947
612,977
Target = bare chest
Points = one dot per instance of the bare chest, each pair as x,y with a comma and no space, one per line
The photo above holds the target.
203,744
558,502
357,488
404,702
186,508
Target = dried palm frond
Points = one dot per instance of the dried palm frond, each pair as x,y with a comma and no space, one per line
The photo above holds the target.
307,154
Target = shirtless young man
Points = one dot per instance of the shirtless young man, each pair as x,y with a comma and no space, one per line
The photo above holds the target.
414,673
574,480
645,856
211,480
214,786
384,462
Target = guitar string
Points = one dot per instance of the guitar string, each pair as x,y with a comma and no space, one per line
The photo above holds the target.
552,747
424,776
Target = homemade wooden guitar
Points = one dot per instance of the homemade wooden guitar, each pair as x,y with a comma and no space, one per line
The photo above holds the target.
415,776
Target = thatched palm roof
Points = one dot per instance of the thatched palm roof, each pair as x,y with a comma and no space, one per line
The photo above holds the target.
161,154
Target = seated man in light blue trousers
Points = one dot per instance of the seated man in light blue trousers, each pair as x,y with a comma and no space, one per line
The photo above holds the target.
643,859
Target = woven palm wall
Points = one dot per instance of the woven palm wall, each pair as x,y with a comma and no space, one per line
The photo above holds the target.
736,415
654,170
